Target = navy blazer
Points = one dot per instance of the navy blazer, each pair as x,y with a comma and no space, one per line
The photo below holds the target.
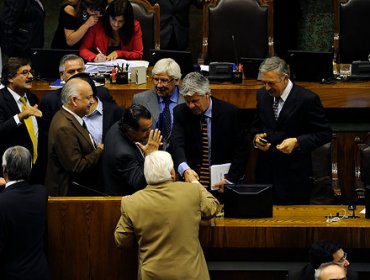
23,209
303,117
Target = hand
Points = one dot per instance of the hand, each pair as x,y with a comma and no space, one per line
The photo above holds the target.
220,186
154,141
100,57
260,145
2,182
288,145
191,176
112,56
92,20
30,111
100,146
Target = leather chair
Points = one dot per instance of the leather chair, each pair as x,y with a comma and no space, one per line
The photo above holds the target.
351,32
149,18
249,21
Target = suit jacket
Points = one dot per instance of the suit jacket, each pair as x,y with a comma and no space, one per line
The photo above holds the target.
149,99
164,220
227,138
303,117
71,155
175,19
12,134
23,209
123,164
21,27
51,103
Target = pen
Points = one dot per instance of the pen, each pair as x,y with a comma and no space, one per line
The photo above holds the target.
99,50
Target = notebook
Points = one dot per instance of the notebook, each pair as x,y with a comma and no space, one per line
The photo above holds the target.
251,67
45,62
310,66
183,59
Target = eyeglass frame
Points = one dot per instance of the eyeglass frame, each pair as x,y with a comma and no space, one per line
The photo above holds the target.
164,82
25,73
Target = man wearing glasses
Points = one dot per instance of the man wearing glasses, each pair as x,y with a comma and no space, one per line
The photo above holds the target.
161,100
289,124
19,114
323,251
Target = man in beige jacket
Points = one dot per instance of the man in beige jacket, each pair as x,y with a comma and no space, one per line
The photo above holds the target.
164,220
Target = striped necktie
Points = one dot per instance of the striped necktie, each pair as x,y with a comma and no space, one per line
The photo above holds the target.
31,130
204,174
166,126
275,107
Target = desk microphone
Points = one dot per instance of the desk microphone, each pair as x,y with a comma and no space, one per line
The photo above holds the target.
96,192
235,51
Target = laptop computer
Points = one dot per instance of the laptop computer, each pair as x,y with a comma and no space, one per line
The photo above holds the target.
183,59
310,66
45,62
251,67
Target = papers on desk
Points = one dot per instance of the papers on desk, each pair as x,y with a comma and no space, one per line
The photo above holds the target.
57,84
106,66
218,173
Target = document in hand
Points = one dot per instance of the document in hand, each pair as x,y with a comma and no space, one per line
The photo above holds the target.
219,172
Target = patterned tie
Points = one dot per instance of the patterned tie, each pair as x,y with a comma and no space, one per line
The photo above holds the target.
166,126
91,138
31,130
275,107
204,174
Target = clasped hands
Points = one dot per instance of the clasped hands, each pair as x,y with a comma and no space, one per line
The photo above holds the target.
286,147
192,177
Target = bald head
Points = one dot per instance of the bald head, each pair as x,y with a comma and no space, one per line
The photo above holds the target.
330,271
77,96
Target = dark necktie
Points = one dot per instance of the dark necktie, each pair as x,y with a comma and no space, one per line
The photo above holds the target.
275,107
204,174
166,126
91,138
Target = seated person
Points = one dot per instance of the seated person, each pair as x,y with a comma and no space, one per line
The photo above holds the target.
116,35
75,18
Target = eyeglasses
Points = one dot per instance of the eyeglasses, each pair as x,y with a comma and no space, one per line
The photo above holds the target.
26,72
342,259
164,82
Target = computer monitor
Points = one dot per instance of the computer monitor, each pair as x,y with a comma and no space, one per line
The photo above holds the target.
251,67
310,66
45,62
183,59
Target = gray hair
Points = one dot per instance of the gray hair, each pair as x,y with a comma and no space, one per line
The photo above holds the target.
323,267
169,66
274,64
66,58
17,163
71,89
157,167
194,83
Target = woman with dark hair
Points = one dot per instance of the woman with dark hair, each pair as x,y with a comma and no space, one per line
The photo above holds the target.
75,18
116,35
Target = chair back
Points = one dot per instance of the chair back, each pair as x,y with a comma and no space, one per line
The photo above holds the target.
149,18
249,22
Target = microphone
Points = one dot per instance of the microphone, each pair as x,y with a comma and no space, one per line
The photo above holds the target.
235,51
91,190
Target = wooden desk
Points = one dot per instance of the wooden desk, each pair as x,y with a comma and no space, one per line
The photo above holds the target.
81,242
338,95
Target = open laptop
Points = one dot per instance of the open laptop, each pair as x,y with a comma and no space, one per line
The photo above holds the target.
45,62
251,67
183,59
310,66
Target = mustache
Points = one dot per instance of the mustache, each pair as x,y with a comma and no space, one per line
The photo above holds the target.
29,80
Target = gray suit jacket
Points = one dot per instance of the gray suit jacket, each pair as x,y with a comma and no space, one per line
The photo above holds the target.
149,100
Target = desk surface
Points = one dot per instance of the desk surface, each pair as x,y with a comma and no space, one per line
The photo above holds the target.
337,95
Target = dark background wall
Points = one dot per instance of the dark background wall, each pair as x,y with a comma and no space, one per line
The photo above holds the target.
309,27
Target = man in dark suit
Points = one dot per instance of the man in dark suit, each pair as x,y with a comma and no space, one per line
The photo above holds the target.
290,123
73,156
19,123
225,135
126,145
51,102
166,75
23,209
175,23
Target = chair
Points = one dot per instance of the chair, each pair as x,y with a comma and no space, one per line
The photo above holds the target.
149,18
250,22
362,165
351,32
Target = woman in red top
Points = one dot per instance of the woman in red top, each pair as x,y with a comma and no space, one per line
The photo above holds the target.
116,35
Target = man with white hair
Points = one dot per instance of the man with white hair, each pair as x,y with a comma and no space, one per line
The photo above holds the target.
165,95
164,220
330,271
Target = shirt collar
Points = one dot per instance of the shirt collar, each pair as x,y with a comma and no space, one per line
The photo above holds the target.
12,182
208,112
98,109
173,97
77,117
286,91
15,95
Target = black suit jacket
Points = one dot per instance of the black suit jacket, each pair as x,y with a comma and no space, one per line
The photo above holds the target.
12,135
123,164
303,117
228,143
23,209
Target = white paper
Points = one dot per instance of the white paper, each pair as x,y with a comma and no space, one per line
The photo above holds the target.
218,172
363,211
106,66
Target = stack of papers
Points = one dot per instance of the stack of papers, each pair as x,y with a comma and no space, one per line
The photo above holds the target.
106,66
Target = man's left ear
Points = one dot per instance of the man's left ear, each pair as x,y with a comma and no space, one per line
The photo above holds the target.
173,175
